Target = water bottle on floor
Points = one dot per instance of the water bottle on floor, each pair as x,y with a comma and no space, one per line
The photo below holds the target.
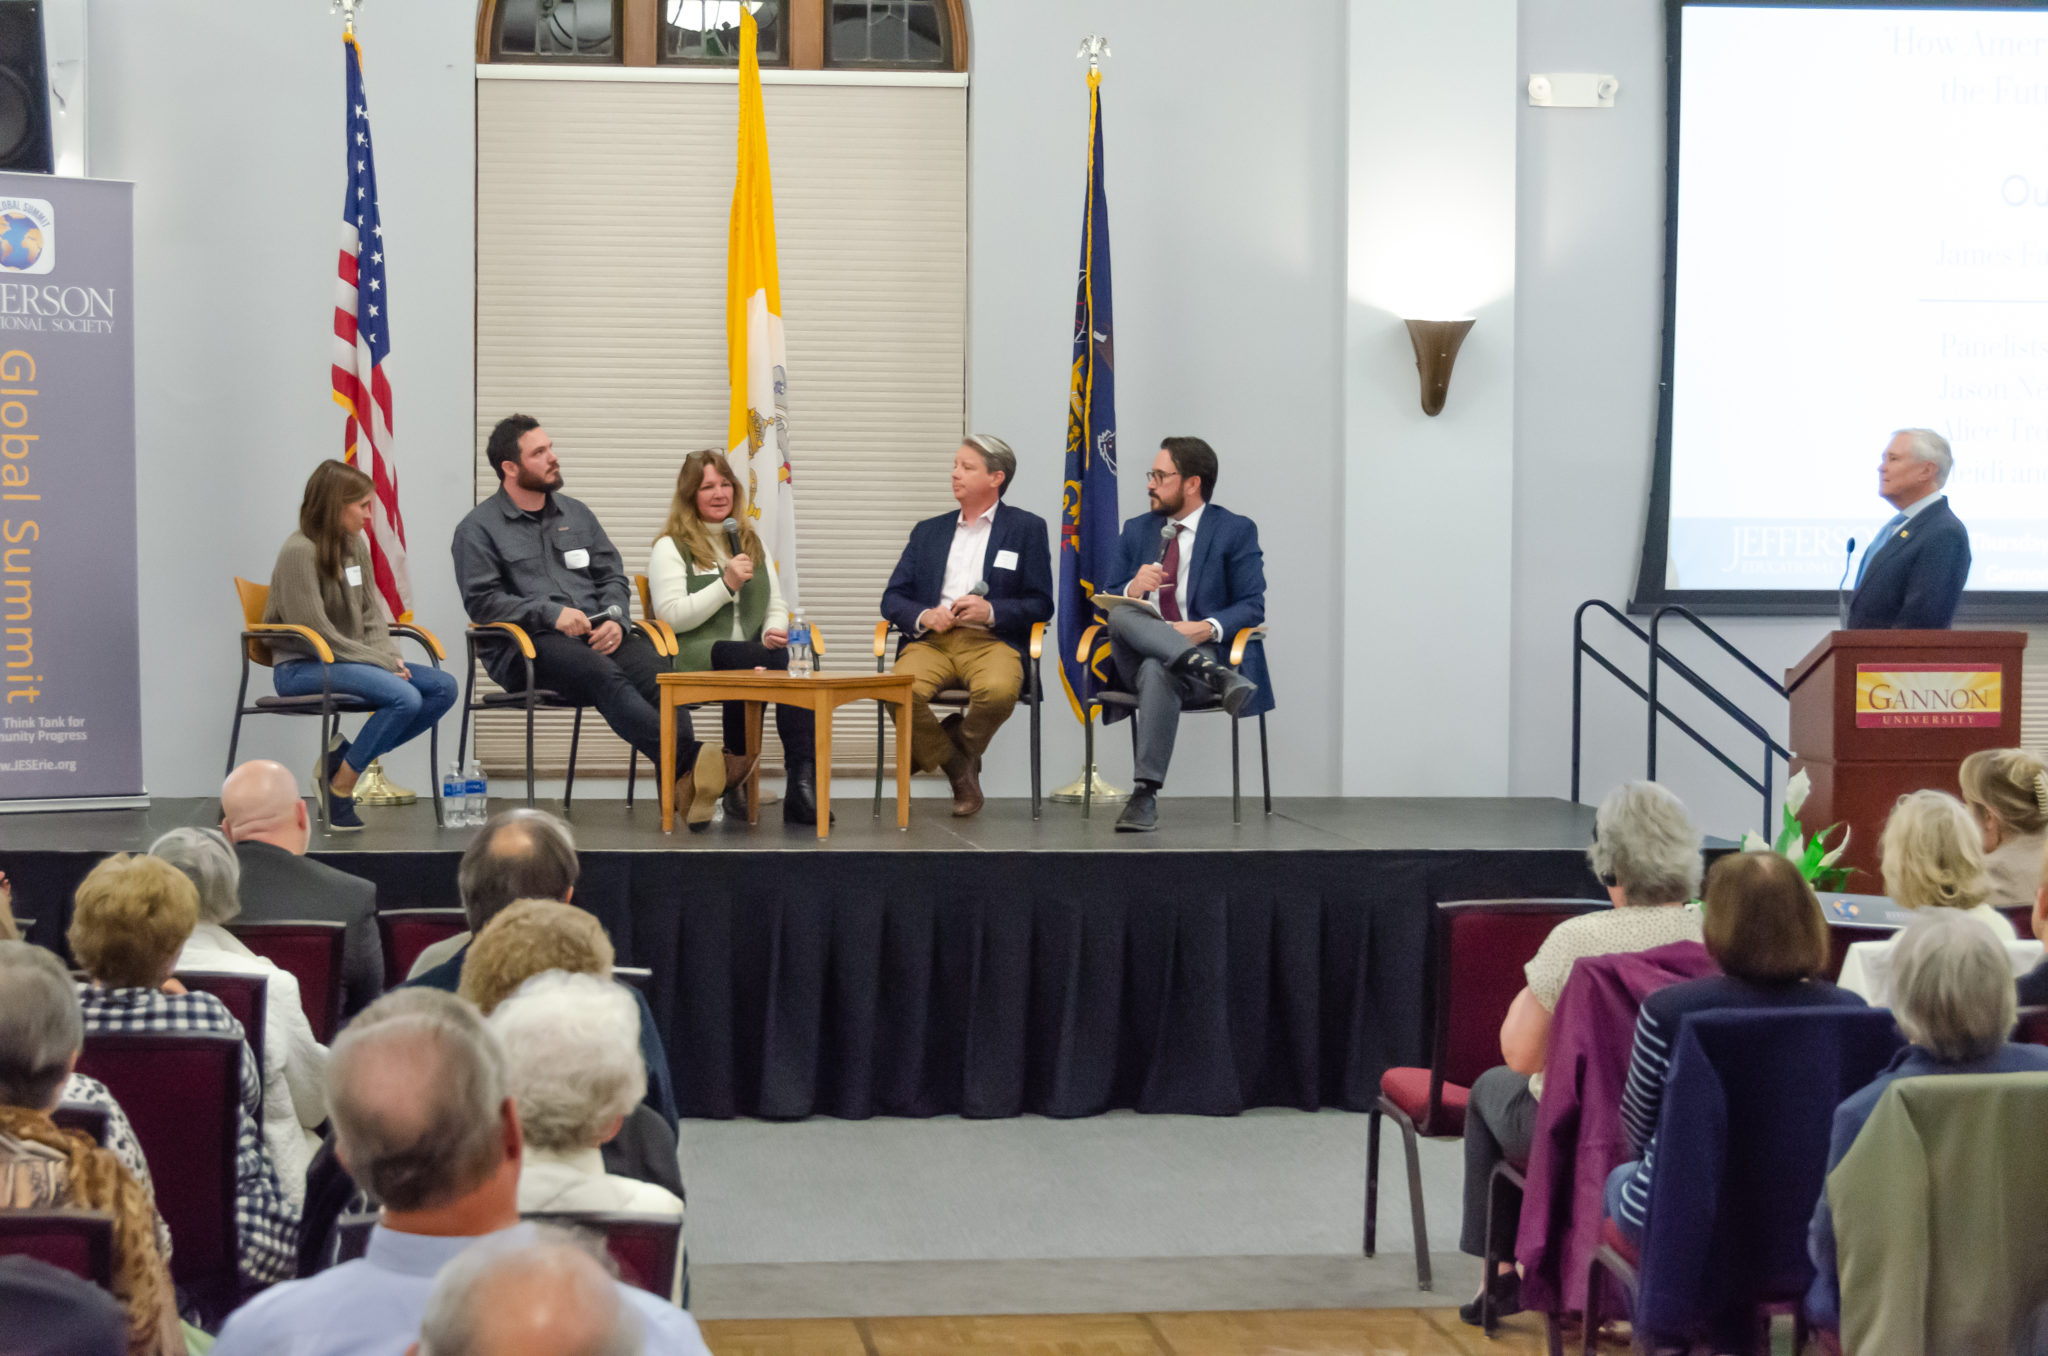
799,645
476,795
454,814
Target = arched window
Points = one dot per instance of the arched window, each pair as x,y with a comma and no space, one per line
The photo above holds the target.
799,34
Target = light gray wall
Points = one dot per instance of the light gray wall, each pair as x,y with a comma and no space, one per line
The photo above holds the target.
1224,174
227,115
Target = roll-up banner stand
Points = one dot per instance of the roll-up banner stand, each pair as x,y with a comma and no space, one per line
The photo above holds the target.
70,683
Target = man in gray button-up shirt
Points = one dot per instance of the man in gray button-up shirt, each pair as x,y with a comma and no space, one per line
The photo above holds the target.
533,556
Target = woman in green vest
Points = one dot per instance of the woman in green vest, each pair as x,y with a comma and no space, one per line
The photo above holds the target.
727,612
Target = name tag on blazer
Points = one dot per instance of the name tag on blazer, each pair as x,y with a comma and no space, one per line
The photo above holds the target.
577,559
1006,560
354,575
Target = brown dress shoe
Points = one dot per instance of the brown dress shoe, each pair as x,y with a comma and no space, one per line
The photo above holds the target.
698,790
963,773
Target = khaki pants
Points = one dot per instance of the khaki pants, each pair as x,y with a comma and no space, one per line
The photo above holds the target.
962,657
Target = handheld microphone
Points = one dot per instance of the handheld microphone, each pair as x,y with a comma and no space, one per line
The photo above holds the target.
1167,533
980,589
1842,585
732,534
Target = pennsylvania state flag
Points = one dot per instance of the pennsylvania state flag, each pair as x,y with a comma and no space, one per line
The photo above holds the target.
1088,522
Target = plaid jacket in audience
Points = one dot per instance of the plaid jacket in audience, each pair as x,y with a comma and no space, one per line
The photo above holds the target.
266,1225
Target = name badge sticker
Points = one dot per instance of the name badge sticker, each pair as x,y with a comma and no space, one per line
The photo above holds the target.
354,575
1006,560
577,559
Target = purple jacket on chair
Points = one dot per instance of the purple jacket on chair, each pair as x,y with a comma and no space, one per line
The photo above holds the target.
1580,1137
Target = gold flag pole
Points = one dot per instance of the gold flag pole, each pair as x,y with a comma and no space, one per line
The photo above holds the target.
1090,784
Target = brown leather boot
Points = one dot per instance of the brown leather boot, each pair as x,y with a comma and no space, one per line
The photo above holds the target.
964,773
697,790
738,767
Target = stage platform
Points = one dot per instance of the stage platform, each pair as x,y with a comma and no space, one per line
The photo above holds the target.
990,966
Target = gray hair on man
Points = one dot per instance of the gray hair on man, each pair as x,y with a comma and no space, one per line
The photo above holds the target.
1928,446
1646,843
40,1026
519,854
206,856
995,456
572,1057
416,1086
1952,986
543,1292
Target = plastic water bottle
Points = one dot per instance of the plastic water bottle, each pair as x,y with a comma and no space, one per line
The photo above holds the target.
799,646
476,795
454,812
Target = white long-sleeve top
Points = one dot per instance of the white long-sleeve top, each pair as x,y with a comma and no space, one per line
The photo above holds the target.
667,584
294,1063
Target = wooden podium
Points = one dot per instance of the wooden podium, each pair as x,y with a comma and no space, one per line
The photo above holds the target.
1876,714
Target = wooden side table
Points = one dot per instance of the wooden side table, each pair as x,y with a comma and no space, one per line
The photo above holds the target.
822,694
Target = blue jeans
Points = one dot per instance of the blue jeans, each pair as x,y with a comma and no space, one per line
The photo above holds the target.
406,708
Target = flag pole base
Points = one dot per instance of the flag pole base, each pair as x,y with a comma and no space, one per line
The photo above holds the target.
374,788
1071,794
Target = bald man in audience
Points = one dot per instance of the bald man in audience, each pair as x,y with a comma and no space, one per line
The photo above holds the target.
544,1297
423,1122
263,816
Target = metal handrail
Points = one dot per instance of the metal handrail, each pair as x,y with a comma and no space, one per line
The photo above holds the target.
1660,658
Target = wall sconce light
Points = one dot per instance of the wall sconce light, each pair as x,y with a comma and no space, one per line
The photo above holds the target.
1436,350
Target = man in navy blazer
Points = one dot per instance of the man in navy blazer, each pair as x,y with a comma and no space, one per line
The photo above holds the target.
1913,573
965,595
1201,566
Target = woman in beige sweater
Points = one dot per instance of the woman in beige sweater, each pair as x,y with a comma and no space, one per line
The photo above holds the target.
2007,792
323,581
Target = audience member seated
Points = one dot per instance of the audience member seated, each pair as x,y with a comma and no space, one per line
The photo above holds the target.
2006,791
1932,857
2033,985
572,1065
423,1121
547,1296
45,1168
262,815
1764,928
1646,851
532,937
294,1063
1952,994
529,854
130,918
53,1313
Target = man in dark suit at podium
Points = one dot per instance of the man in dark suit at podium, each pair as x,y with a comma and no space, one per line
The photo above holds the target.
1201,566
1913,573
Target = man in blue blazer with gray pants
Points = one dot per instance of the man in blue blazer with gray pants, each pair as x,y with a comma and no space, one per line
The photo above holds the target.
1913,573
1201,566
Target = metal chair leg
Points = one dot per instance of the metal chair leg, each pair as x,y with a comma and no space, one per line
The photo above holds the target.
632,773
1088,761
1372,1181
529,745
575,738
881,745
1035,703
1236,791
1423,1279
434,769
320,788
1265,764
241,702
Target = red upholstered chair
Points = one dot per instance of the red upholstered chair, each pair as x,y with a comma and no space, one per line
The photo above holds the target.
183,1096
242,995
1843,936
407,932
310,952
78,1241
2033,1027
644,1247
2021,916
1481,946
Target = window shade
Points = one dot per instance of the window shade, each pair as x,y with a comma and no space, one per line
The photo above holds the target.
601,239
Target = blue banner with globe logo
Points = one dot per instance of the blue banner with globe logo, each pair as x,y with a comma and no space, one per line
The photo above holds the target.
70,688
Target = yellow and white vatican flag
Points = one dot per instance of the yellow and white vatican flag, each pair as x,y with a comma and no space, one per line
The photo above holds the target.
758,430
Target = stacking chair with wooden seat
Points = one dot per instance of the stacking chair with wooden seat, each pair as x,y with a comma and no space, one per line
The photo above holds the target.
405,933
1481,946
1104,697
330,706
80,1242
531,698
183,1097
1032,696
311,952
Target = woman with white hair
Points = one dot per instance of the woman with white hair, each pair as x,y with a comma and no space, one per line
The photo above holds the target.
573,1068
1646,851
1952,993
1932,857
294,1061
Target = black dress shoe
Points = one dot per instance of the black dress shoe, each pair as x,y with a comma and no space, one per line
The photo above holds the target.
1141,815
1507,1299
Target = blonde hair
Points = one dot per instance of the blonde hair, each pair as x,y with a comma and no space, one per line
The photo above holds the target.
691,533
527,938
130,917
2010,785
1932,854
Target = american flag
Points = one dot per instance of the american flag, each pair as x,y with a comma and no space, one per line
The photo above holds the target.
362,348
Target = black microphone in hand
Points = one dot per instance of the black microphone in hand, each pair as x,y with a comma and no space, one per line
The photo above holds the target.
1842,585
732,535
